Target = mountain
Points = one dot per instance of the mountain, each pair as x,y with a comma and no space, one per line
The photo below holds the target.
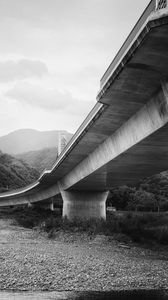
40,159
24,140
15,173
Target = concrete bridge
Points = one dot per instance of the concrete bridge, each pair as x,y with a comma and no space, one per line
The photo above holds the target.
125,136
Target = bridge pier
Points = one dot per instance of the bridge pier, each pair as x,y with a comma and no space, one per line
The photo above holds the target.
84,205
49,205
30,205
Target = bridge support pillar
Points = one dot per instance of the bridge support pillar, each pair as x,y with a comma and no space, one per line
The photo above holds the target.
30,205
84,205
51,206
48,206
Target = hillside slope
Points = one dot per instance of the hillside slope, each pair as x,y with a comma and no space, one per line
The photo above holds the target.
156,184
41,159
15,173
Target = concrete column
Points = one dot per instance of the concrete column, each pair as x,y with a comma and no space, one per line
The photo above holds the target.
47,206
51,206
84,205
30,205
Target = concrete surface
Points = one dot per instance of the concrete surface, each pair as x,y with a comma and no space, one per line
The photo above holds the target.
84,205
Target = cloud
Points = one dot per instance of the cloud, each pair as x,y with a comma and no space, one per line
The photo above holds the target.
24,68
48,99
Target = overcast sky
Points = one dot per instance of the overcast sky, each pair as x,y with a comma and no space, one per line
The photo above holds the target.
52,56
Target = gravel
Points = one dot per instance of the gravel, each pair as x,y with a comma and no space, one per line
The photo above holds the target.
76,262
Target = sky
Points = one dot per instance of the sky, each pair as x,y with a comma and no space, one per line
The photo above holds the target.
53,54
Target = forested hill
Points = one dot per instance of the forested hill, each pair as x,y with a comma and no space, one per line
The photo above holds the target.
151,194
15,173
156,184
41,159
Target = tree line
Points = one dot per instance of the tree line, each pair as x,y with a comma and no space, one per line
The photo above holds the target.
151,194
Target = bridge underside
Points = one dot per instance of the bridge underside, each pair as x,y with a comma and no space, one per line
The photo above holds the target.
148,157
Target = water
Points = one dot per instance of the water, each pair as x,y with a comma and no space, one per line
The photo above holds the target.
113,295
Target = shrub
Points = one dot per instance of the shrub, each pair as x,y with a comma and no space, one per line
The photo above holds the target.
139,226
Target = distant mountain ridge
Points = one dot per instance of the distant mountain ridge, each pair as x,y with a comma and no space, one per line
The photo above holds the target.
24,140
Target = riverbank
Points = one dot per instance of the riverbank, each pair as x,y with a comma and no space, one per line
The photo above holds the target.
141,227
76,262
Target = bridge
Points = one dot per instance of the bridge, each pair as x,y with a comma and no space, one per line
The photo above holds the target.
124,137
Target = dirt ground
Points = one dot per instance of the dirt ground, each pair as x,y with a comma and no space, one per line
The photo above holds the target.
29,261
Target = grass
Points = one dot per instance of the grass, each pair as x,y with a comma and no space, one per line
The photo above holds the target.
28,217
142,226
139,227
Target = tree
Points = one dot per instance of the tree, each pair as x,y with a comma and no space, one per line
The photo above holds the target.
119,197
142,201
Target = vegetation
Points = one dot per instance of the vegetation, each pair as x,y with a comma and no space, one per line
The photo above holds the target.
15,173
40,159
140,227
150,195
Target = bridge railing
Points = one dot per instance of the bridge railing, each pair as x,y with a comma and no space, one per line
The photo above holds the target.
153,6
19,190
160,4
